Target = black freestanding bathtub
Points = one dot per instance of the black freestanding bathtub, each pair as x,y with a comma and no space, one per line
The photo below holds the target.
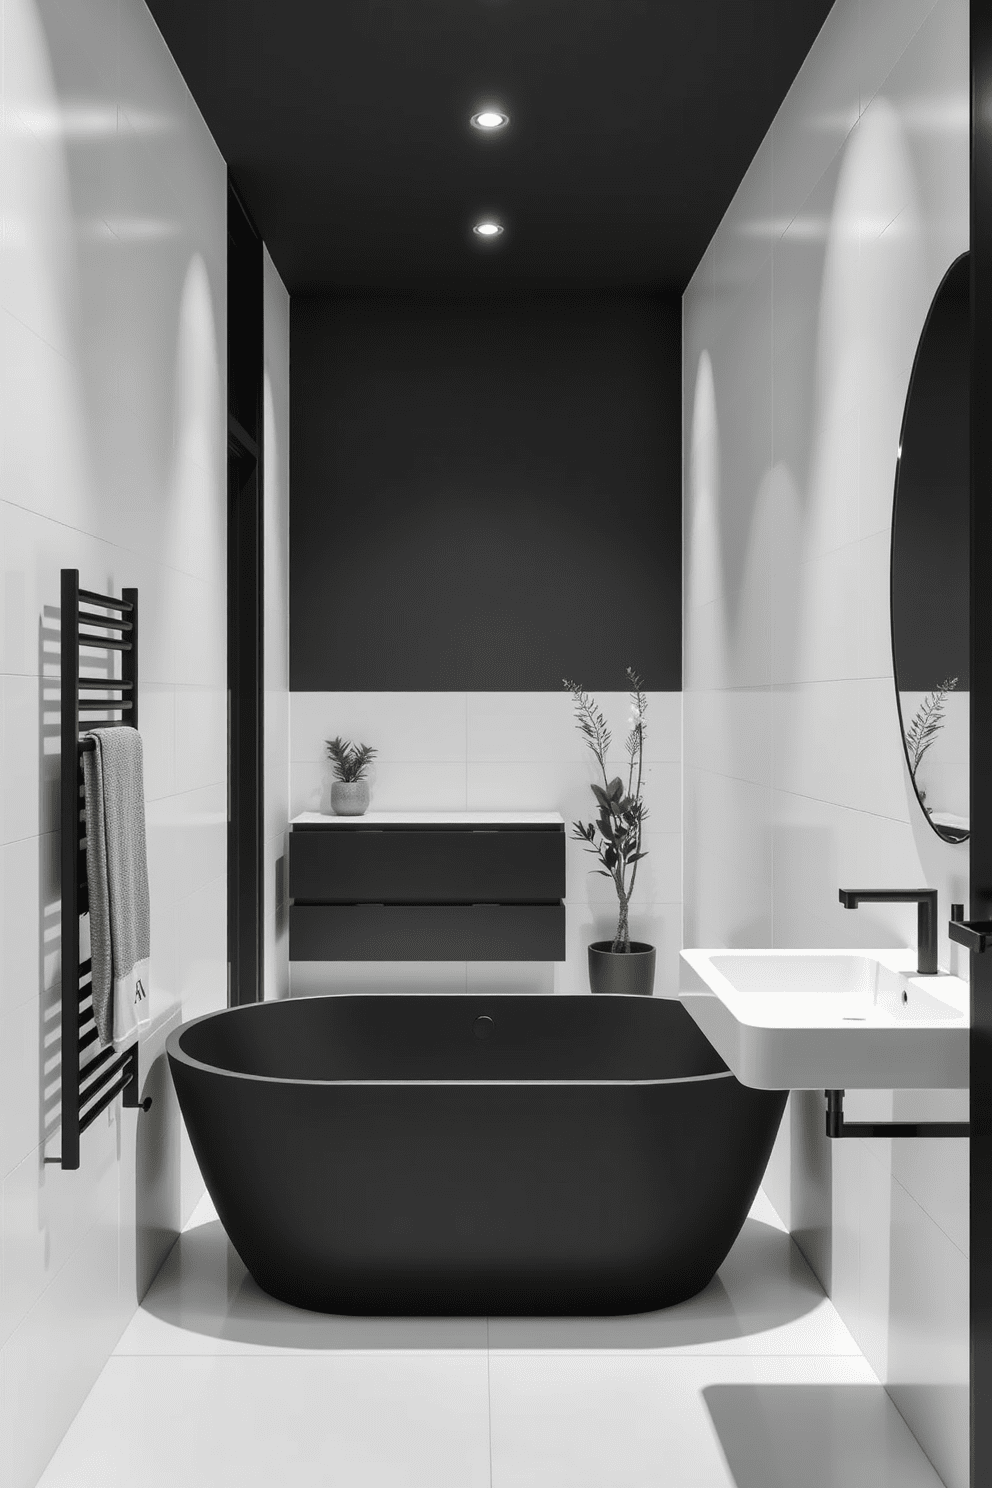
414,1154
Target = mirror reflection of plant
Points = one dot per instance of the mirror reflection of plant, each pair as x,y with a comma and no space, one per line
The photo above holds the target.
615,838
349,762
928,720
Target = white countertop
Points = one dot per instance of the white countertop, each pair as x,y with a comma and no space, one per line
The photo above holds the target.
432,819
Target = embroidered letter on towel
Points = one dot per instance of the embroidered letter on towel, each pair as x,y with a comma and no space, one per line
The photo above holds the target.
117,876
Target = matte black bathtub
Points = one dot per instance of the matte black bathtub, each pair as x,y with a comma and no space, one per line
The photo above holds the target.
447,1154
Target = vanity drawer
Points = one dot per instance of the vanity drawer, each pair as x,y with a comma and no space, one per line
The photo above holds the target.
349,865
427,932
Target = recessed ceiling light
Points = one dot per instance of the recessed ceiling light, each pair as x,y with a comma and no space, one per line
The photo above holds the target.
488,229
489,119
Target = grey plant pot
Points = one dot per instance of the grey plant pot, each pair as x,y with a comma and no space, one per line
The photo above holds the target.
629,973
350,797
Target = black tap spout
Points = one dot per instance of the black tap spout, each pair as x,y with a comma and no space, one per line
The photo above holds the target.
926,918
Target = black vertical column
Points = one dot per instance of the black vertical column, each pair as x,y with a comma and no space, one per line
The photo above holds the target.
981,741
244,605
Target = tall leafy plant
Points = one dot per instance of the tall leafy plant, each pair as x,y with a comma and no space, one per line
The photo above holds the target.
615,837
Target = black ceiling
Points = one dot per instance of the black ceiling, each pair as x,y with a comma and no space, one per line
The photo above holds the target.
345,123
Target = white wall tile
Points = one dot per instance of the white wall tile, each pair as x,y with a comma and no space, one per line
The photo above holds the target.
47,1215
747,230
30,935
924,89
869,160
730,731
497,978
935,1172
819,111
200,737
54,1355
22,1057
886,28
112,461
158,737
412,727
506,727
309,790
201,955
928,1336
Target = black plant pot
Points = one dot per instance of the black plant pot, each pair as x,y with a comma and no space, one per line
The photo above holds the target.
630,973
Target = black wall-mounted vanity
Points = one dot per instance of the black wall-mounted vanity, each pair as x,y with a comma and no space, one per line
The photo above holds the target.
415,886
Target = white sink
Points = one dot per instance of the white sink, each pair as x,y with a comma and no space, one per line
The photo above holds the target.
830,1020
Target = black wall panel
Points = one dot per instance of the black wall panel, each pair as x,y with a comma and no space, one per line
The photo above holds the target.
486,494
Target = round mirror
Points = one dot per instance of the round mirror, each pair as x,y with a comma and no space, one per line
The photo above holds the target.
930,561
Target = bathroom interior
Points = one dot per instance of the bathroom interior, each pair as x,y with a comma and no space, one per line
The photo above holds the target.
693,403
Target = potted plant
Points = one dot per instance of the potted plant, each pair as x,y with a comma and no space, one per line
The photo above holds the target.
615,838
350,788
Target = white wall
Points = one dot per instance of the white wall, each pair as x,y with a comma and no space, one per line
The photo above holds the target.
275,561
501,751
112,461
800,327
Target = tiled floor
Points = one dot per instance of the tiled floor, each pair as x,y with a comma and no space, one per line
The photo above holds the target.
756,1383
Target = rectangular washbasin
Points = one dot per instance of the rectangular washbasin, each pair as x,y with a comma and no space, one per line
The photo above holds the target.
829,1019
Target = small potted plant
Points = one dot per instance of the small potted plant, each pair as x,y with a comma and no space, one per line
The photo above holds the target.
350,788
615,838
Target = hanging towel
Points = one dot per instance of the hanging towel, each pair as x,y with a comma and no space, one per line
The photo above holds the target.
117,875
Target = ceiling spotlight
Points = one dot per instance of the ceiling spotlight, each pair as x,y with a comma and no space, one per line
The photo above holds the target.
489,119
487,229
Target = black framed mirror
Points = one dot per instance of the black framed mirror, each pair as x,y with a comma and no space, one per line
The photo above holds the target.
930,591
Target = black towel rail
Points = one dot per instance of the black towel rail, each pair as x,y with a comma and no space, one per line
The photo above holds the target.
88,1087
107,601
102,643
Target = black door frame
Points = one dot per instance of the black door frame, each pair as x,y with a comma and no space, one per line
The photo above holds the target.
245,842
981,740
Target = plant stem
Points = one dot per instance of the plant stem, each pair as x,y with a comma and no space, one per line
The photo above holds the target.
621,941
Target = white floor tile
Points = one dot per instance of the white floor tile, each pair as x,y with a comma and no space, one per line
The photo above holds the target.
251,1423
631,1421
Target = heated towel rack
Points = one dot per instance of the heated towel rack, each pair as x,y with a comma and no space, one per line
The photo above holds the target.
100,699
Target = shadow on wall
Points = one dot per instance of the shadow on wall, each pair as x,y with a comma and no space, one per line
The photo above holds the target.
779,1436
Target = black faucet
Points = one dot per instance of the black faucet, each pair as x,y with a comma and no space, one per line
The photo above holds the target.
926,918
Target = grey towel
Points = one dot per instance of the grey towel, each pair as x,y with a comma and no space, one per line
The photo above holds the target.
117,875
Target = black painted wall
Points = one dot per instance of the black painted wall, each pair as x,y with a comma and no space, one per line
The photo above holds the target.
486,494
